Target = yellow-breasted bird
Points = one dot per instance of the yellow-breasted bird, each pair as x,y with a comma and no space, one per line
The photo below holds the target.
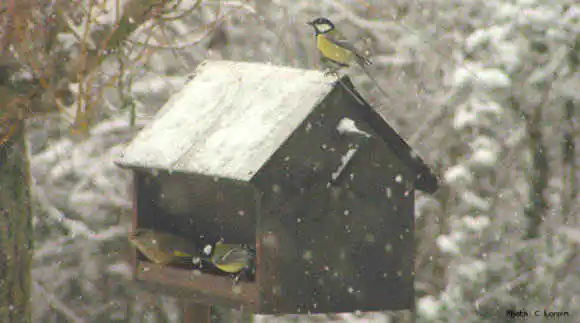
337,52
233,258
335,49
165,248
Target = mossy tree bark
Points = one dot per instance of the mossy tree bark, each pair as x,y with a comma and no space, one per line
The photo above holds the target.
15,230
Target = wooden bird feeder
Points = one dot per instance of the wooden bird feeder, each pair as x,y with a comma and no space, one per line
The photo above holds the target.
288,160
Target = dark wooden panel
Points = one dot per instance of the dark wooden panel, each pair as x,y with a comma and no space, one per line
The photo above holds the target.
277,257
305,160
335,246
145,205
356,244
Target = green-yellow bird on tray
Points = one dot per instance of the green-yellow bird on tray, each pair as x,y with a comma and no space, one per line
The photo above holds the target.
233,258
165,248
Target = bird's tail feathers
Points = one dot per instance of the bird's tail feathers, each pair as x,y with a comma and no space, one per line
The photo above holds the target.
375,82
354,95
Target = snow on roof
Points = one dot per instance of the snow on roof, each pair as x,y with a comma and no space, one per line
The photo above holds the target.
228,120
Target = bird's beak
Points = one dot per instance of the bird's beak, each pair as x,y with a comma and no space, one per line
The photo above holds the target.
310,23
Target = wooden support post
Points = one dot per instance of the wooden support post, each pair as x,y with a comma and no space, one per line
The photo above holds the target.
196,313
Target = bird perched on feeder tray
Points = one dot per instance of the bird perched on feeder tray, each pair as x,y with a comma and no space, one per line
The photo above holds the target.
234,259
165,248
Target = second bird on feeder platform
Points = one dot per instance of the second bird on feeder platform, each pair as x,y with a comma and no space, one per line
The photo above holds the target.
165,248
233,258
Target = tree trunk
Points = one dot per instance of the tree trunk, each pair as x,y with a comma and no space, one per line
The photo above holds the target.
537,205
15,229
569,187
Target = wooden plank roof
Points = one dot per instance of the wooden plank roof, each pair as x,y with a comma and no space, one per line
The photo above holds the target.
229,119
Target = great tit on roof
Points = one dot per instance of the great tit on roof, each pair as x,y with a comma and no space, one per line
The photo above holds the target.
336,52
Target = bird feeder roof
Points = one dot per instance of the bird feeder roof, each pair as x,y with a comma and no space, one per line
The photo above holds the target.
229,119
233,116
